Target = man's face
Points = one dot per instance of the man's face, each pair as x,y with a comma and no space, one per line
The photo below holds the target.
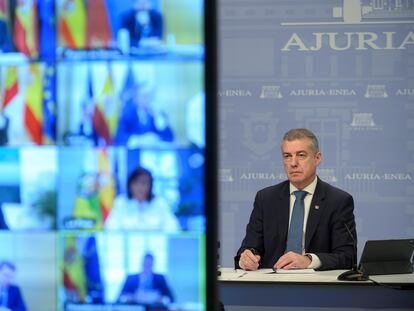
300,162
147,265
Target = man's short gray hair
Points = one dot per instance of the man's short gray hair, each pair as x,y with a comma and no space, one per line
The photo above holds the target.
301,133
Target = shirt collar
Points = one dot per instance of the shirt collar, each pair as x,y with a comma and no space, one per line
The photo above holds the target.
310,189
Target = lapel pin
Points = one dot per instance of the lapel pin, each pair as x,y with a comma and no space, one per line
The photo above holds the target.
316,206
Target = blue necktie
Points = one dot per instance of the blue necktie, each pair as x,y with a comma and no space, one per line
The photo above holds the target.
294,242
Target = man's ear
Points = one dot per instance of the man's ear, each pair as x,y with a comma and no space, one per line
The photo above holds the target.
318,158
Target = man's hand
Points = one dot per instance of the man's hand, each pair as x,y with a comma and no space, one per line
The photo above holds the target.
249,261
292,260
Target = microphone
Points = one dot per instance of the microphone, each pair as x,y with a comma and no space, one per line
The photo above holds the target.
354,274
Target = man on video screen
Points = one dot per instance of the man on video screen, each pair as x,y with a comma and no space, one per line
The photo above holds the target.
10,297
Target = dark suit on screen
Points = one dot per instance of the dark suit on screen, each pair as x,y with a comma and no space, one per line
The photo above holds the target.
136,31
13,299
3,225
129,124
158,283
326,235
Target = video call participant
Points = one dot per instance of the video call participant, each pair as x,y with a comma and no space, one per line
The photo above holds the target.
10,296
277,236
144,24
147,287
139,123
142,210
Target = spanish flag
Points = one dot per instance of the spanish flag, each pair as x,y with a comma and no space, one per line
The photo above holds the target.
74,279
11,86
106,112
26,28
72,24
107,184
33,110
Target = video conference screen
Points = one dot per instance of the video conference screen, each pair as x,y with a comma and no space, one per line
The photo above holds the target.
102,155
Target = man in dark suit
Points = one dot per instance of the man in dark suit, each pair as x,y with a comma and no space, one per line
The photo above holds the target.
143,22
10,297
322,235
147,287
139,124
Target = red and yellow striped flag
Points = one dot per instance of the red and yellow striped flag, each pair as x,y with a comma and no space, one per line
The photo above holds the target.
74,279
26,28
106,112
33,110
11,86
72,24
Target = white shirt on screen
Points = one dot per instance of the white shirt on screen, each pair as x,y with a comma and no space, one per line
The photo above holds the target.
129,214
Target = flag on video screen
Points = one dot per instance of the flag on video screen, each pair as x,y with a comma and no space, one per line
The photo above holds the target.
107,184
87,205
6,39
128,89
99,33
49,105
11,88
47,29
87,104
26,32
74,279
33,110
72,24
3,10
92,271
106,112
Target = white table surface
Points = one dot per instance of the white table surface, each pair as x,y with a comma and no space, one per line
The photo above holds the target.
267,275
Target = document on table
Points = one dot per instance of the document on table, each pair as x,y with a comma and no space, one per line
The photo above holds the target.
281,271
294,271
239,274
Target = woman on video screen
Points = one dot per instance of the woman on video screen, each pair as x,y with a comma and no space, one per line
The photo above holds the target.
141,210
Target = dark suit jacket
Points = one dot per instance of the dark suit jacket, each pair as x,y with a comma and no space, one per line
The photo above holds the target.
159,283
136,31
15,300
129,124
326,235
3,225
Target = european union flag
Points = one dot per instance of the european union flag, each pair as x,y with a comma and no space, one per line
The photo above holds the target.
47,29
49,104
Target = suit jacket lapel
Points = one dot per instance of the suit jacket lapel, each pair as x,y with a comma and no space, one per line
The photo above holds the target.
283,214
315,212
